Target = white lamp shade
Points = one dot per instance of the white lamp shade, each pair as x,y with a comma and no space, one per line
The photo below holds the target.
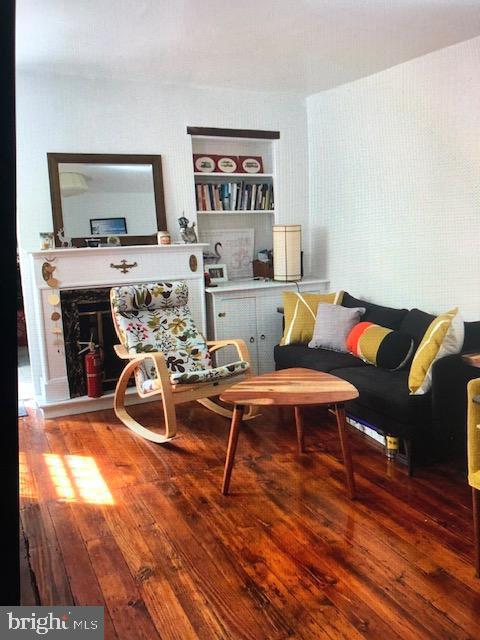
72,184
287,247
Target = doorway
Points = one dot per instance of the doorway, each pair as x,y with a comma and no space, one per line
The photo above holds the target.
25,382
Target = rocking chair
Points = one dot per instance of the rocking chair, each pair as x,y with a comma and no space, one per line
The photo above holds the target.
167,355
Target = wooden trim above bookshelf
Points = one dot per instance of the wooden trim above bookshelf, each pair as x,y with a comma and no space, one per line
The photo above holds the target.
233,133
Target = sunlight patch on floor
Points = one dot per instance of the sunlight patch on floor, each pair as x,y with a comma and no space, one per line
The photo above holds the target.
27,488
77,479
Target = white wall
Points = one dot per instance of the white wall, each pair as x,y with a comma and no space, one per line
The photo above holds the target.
395,183
71,114
77,115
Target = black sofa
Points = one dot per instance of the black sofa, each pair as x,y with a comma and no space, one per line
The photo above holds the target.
431,427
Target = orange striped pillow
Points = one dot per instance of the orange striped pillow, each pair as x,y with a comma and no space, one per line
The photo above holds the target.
380,346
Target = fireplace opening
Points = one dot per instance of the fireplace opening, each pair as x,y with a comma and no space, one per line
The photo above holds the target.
86,313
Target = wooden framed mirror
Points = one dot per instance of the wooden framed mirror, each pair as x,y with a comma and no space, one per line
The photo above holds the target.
102,195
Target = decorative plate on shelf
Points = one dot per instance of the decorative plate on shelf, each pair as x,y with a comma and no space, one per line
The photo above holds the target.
227,164
251,164
204,164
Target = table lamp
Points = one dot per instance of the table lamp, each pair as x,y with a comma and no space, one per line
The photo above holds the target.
287,246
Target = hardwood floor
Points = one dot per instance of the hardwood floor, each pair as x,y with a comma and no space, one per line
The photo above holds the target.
143,529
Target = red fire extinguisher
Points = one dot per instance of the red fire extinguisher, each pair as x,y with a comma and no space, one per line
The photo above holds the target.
93,369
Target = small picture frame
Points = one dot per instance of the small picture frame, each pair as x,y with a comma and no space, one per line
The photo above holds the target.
92,242
217,272
108,226
47,240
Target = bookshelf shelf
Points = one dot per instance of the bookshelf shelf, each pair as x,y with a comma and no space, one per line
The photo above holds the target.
226,176
230,212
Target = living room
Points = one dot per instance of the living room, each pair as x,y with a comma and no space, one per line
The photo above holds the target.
362,120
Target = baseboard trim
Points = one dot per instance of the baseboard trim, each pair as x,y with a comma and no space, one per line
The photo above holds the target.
84,404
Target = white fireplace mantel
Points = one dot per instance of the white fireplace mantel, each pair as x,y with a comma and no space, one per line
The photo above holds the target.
88,268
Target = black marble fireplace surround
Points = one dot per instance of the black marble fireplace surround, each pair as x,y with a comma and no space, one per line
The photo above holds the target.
85,311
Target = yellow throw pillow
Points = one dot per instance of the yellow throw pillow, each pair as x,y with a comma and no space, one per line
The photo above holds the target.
444,336
300,311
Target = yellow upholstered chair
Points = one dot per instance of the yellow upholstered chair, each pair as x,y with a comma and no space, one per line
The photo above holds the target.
167,355
474,461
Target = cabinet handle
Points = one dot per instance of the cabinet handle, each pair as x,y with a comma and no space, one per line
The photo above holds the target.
262,337
222,314
252,339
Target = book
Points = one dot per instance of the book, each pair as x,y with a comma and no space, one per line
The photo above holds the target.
234,196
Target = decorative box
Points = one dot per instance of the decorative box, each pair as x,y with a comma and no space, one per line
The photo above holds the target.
262,269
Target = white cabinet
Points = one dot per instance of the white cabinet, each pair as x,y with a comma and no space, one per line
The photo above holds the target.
230,309
247,309
269,328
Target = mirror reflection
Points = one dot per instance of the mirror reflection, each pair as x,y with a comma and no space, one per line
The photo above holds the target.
107,199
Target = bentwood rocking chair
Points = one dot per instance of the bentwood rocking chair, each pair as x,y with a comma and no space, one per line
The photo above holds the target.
167,355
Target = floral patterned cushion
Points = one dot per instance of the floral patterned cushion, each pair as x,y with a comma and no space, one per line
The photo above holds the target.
155,317
207,375
211,375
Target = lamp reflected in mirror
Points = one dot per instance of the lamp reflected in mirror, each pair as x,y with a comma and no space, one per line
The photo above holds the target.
72,184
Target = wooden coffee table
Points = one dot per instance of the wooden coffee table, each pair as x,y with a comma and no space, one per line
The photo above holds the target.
290,387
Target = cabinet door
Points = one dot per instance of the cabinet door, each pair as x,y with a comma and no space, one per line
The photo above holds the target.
236,318
269,330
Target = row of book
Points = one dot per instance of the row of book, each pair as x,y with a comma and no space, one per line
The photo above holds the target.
234,196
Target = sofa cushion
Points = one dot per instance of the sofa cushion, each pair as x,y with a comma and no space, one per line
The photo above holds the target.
443,337
415,325
332,326
380,346
386,393
299,355
472,337
300,311
384,316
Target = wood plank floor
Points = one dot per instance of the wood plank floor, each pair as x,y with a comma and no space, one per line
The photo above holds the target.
143,529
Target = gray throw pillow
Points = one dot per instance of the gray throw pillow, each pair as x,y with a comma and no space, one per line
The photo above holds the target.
332,326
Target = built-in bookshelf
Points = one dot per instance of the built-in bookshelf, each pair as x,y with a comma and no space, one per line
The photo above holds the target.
233,194
235,200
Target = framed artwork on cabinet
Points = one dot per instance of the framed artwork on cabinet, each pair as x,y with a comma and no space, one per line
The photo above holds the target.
237,249
217,272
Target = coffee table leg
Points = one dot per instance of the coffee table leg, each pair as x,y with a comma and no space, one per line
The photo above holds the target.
347,456
232,446
299,425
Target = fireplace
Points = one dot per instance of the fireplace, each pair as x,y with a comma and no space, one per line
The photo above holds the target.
86,314
84,277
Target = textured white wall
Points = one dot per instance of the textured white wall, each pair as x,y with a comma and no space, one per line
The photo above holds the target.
77,115
71,114
395,183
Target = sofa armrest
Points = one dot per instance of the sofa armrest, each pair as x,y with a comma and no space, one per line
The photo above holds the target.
450,376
